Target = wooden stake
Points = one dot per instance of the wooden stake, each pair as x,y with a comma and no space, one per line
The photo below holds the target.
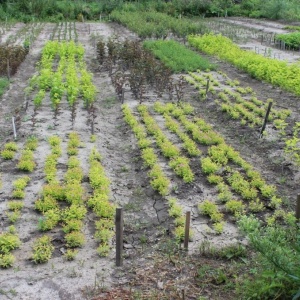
14,128
8,70
119,237
298,208
207,87
187,230
266,119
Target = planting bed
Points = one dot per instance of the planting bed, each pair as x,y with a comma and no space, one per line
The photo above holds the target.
154,158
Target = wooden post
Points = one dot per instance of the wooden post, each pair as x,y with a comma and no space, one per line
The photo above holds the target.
14,128
298,208
8,69
119,237
207,87
187,230
266,119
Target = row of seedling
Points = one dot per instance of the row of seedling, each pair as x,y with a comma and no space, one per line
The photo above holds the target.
9,240
65,31
159,181
292,144
238,102
70,79
70,194
231,174
178,162
100,204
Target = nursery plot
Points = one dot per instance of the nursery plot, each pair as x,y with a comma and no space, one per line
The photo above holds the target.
189,151
9,30
258,36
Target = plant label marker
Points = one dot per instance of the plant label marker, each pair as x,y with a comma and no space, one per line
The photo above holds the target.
119,237
187,230
298,208
266,120
14,128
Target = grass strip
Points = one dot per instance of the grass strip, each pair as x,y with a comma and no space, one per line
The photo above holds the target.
177,57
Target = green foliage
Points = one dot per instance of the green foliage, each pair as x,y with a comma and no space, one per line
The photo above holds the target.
211,209
42,249
31,143
15,205
21,183
276,72
8,242
235,206
156,24
6,260
7,154
277,261
291,40
26,162
70,254
18,194
72,225
46,203
181,167
50,219
158,180
75,211
103,250
9,150
218,227
13,216
208,166
256,206
176,56
149,157
75,239
11,146
104,235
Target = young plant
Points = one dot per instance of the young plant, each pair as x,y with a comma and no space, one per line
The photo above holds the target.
42,249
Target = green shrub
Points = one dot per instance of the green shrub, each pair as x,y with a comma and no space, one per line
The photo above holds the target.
277,261
8,242
6,260
75,239
42,249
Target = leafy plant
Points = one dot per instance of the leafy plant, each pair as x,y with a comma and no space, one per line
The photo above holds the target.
159,181
15,205
181,167
42,249
8,242
6,260
75,239
208,166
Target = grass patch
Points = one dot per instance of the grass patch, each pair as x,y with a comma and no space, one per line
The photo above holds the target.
177,57
4,83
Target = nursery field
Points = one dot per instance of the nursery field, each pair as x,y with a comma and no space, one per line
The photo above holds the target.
91,121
